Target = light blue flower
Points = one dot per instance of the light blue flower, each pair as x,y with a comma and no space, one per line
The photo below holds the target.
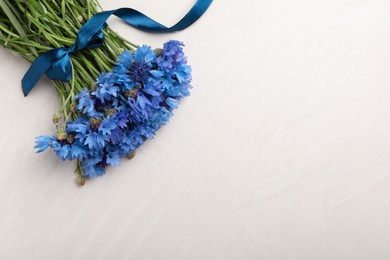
85,102
95,140
106,88
108,125
172,103
43,142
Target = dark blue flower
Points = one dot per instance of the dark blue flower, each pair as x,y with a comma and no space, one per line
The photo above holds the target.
171,56
121,119
139,71
133,68
113,156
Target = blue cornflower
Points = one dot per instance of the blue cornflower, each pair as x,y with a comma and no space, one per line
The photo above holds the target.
183,73
113,155
43,142
165,82
108,124
85,102
95,140
121,119
132,140
172,103
93,165
78,150
145,53
116,136
142,101
106,88
123,79
145,132
171,56
154,88
133,68
159,118
113,159
93,170
65,152
178,90
138,108
139,71
80,126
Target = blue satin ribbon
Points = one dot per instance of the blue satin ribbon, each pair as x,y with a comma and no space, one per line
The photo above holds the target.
56,63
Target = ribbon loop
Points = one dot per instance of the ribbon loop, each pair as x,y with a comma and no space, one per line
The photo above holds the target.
56,63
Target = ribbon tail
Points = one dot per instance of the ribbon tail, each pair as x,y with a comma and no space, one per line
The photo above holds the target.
33,75
192,16
140,21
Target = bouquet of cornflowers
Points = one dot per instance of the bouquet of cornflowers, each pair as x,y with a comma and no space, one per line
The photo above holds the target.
119,94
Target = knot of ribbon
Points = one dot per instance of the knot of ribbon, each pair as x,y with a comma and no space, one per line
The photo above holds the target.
56,63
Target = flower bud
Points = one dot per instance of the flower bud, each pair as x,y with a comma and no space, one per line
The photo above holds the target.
131,155
61,134
70,138
158,52
56,118
93,87
81,180
73,108
109,112
132,93
95,122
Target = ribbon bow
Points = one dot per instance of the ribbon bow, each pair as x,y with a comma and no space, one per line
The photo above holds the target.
56,63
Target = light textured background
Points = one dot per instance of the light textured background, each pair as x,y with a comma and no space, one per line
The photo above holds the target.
281,152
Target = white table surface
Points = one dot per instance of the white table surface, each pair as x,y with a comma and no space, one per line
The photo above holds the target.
281,152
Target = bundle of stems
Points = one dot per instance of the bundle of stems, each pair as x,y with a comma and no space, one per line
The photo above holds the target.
31,27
